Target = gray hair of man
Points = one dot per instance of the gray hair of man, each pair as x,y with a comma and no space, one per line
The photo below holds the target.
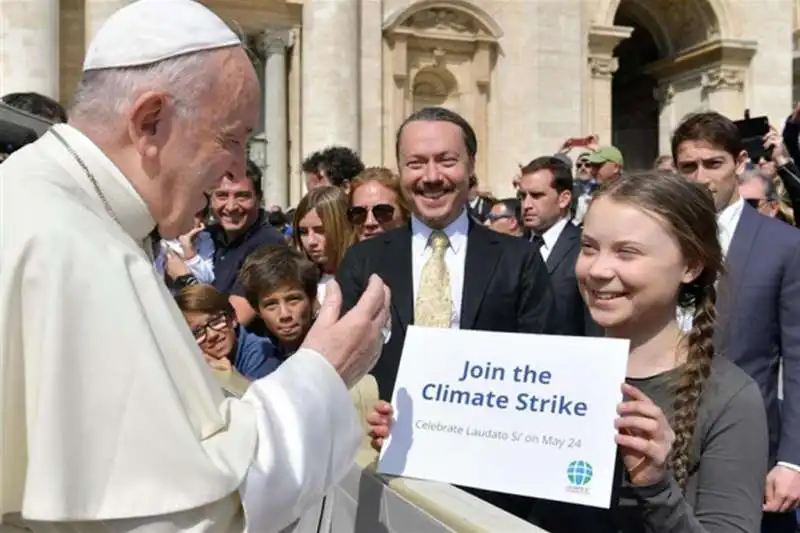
770,192
103,95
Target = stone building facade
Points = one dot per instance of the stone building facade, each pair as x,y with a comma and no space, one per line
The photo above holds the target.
526,73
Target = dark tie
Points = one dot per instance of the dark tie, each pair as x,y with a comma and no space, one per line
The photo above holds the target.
537,241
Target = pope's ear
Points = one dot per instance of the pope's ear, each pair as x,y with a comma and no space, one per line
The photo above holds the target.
150,122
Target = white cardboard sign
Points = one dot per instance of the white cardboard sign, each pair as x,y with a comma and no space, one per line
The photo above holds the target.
516,413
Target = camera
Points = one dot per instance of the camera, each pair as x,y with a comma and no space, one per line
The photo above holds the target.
18,128
752,131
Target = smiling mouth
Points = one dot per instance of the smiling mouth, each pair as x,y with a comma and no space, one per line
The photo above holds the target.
606,296
432,194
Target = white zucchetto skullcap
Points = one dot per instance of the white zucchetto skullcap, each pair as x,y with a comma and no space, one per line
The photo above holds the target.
149,31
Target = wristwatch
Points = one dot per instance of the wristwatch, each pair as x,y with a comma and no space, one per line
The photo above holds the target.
187,280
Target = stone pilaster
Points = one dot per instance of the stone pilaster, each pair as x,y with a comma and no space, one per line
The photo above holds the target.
95,14
29,46
601,69
330,100
664,94
724,89
602,65
272,46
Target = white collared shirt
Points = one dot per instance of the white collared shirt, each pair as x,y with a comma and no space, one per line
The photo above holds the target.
455,257
550,237
727,220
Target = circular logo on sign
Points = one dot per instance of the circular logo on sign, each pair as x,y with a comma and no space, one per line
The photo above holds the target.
579,473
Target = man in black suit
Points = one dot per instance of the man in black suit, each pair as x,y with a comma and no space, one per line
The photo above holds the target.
483,280
759,298
545,191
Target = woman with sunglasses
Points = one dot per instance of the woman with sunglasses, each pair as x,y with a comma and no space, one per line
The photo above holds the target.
376,202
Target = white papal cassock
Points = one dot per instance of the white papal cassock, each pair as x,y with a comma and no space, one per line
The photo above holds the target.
109,418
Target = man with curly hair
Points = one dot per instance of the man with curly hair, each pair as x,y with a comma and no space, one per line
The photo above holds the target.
336,165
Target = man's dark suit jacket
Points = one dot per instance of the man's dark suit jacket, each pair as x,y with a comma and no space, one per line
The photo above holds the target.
506,288
759,317
572,316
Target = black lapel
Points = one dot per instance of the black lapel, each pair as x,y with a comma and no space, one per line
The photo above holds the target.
565,242
396,272
483,253
739,253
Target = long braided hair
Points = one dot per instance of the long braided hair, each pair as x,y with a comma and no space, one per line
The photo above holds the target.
687,210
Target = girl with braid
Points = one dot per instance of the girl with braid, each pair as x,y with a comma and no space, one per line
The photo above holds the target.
692,432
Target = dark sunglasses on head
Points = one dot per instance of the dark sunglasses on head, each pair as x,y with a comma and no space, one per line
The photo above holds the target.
383,213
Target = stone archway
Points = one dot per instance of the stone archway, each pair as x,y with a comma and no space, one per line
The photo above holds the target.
646,53
439,52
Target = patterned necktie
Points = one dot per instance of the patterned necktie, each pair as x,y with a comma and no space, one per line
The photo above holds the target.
434,305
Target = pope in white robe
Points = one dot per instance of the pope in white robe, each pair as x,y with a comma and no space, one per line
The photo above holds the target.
110,418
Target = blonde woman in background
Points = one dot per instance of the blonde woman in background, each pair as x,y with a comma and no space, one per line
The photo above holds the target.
377,203
323,232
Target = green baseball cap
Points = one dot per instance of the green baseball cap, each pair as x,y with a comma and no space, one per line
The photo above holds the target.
606,154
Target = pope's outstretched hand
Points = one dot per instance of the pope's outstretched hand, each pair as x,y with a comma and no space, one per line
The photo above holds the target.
353,343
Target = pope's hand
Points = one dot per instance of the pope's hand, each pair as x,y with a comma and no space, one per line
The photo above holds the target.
379,422
353,343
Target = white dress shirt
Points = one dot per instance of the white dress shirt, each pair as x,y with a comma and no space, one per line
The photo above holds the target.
454,257
550,237
727,221
322,286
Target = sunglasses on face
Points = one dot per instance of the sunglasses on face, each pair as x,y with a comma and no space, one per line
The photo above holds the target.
494,217
383,213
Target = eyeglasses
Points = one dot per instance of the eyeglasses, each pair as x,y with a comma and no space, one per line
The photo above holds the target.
217,322
383,213
583,164
494,217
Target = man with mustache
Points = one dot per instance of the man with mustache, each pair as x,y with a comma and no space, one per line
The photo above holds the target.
445,269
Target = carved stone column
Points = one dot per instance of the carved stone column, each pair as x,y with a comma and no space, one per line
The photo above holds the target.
601,69
723,87
95,14
330,65
29,46
602,66
667,119
272,46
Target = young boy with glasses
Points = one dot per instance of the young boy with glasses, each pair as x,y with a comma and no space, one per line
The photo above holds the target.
225,344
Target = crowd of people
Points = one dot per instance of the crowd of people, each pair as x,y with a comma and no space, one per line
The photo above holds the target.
696,261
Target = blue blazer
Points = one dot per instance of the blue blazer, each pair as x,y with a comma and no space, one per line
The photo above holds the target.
759,320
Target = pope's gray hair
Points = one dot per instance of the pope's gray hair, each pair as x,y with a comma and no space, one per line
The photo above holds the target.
104,95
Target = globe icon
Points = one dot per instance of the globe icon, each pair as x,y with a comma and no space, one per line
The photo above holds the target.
579,473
